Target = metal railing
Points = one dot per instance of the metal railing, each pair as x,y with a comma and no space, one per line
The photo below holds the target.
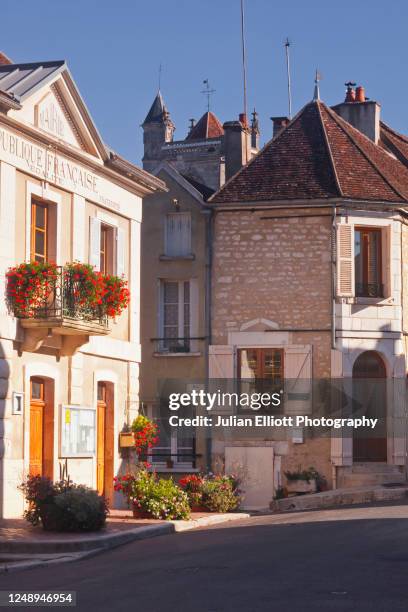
175,345
65,297
369,290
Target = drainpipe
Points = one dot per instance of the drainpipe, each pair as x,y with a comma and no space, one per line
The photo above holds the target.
334,274
208,269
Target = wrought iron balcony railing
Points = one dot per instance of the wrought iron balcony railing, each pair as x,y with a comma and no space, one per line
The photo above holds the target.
374,290
64,298
176,345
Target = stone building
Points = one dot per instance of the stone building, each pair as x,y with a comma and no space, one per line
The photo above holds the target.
68,380
176,261
308,284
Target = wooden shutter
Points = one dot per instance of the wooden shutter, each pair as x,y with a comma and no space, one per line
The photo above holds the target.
221,361
94,242
120,252
345,263
386,247
178,234
298,379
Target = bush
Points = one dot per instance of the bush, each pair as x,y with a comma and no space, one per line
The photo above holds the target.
220,494
160,498
193,486
63,506
215,493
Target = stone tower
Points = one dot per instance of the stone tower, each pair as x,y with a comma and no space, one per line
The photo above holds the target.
158,129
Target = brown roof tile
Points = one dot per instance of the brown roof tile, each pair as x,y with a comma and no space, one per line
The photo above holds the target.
207,127
318,156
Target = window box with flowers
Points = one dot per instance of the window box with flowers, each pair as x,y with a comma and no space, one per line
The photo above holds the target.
73,301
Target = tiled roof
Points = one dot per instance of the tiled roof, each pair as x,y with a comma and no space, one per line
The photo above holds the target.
207,127
396,143
318,156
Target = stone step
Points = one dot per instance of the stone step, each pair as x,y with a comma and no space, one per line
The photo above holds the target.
361,480
375,467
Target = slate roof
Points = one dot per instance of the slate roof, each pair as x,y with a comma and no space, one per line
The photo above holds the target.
319,156
157,110
19,80
209,126
205,191
394,142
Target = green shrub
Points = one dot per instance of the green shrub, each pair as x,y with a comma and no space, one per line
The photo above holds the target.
220,493
80,509
63,506
161,498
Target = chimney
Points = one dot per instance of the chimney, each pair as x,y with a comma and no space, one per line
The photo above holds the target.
4,60
360,112
237,145
278,124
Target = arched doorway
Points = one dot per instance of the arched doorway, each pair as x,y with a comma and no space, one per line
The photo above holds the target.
105,439
370,400
41,427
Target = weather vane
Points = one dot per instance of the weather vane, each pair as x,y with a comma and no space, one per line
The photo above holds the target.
160,75
208,92
318,78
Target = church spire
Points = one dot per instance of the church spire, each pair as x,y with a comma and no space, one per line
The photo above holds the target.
158,110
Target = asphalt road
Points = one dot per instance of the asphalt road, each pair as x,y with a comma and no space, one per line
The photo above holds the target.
350,559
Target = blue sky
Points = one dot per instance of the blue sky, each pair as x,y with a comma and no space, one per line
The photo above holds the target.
114,50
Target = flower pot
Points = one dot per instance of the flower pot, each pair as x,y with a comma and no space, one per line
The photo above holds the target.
198,508
141,514
299,487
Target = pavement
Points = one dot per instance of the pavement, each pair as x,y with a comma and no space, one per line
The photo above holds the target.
341,560
23,546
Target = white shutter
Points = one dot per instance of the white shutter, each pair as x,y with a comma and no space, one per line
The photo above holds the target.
298,379
345,257
94,242
221,361
120,251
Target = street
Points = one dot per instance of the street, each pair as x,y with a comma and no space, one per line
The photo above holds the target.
332,560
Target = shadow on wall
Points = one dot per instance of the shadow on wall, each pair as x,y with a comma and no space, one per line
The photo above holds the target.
4,433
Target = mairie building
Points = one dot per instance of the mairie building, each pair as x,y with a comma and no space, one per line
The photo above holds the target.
68,383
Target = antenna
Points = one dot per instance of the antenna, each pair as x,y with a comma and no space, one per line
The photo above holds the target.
160,75
287,45
208,92
318,77
244,73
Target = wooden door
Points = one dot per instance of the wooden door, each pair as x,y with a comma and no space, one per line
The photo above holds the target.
37,405
370,398
105,440
101,434
41,428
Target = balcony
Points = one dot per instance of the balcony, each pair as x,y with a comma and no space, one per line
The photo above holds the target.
369,290
177,346
72,301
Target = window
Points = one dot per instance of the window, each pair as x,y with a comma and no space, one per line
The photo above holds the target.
178,234
176,444
39,232
367,262
106,249
175,316
260,369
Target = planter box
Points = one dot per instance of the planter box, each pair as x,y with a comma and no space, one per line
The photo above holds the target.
301,486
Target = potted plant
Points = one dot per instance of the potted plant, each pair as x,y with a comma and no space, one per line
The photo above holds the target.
302,481
145,435
153,497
